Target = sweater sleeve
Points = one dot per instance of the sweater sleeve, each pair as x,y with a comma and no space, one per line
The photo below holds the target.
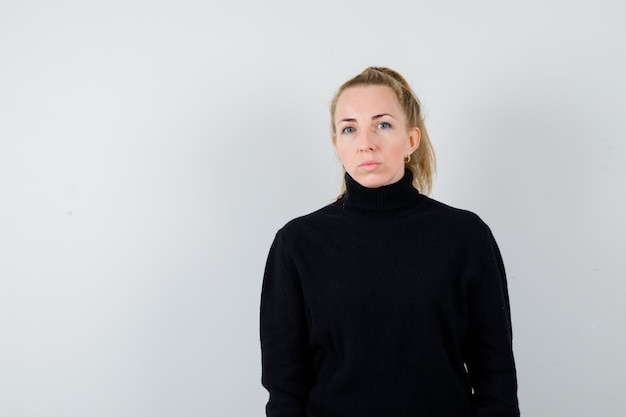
286,360
489,352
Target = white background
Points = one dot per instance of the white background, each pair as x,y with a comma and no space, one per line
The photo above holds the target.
149,150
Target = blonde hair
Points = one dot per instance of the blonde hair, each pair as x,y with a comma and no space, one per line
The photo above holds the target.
422,163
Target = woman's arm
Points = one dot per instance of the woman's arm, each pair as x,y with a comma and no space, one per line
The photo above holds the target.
286,359
489,352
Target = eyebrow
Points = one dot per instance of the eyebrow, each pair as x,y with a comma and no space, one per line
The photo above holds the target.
377,116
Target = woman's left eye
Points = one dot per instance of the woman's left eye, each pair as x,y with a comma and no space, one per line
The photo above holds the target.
384,125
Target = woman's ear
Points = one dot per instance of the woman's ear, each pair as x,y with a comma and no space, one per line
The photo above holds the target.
414,139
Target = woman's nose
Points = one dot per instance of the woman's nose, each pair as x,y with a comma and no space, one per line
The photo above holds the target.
366,140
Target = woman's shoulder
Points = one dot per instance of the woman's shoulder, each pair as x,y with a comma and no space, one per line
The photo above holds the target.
315,219
452,215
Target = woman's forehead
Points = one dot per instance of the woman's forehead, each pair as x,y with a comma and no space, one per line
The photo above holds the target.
364,100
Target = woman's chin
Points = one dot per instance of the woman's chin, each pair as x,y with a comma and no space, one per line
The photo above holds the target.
370,181
376,179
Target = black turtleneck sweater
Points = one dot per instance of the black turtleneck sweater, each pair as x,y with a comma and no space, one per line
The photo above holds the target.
386,303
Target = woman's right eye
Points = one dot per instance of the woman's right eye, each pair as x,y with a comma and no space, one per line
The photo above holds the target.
347,130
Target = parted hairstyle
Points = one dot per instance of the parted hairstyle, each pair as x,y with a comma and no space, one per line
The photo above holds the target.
422,163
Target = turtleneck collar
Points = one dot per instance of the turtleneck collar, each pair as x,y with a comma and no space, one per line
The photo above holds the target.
387,198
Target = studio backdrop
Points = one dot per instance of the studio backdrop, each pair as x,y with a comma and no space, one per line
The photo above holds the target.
149,151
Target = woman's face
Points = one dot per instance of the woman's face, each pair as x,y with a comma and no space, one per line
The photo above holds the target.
372,138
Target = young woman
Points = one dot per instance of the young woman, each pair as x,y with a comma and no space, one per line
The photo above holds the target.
386,302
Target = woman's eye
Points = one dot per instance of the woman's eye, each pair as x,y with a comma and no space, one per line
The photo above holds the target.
384,125
347,130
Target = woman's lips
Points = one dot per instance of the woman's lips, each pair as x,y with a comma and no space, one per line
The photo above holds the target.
369,165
